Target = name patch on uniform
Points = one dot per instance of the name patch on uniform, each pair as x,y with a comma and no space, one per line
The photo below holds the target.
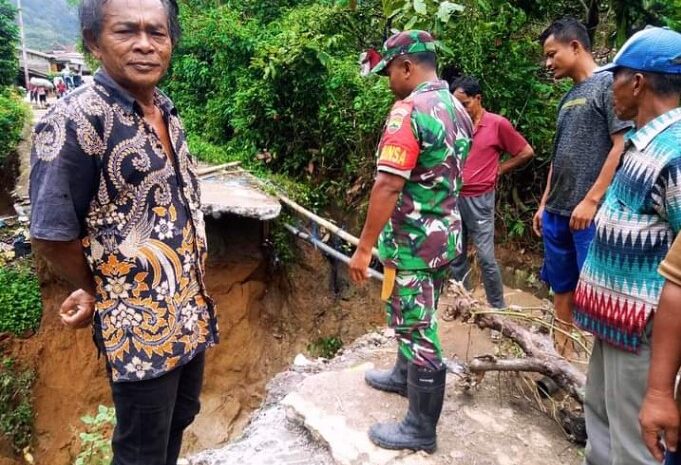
393,155
396,120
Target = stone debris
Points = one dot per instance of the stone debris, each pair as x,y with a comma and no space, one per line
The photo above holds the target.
301,361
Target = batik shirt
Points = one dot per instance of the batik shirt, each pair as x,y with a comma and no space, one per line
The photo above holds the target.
99,173
619,286
426,138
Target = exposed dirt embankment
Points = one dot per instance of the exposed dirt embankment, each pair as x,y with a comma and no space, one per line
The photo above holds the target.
265,316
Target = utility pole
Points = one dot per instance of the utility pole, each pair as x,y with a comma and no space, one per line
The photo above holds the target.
23,44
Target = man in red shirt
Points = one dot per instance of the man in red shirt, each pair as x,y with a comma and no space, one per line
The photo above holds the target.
493,135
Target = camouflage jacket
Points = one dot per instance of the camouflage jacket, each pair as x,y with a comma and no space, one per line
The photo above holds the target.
425,140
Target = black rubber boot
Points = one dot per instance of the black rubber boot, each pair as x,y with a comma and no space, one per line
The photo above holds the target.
417,430
393,380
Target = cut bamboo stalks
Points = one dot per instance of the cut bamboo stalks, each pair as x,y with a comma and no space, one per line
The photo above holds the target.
327,249
332,228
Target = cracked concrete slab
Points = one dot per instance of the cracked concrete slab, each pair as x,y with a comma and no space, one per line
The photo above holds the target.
236,193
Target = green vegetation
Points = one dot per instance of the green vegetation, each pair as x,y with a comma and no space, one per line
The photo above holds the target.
281,91
287,97
9,35
276,84
325,347
13,112
13,115
19,299
95,441
16,410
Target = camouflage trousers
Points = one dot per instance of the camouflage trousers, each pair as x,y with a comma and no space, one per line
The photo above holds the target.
411,298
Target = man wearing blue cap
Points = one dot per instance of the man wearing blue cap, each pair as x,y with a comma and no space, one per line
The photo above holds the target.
619,287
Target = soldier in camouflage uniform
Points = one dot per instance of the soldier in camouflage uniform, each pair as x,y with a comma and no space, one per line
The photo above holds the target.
413,214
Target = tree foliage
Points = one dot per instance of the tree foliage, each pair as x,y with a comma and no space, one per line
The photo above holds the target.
9,39
283,89
632,15
276,84
13,112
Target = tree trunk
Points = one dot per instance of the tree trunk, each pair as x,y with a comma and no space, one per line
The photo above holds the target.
592,20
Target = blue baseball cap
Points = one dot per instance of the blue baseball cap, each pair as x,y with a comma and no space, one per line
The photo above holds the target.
652,50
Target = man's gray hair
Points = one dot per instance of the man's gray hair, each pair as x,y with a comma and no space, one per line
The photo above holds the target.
91,13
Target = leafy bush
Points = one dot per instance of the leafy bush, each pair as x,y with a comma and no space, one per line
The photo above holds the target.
95,441
326,347
13,115
16,410
9,38
286,97
279,88
20,301
304,101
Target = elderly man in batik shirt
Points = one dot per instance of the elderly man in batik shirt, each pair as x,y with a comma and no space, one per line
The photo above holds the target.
116,212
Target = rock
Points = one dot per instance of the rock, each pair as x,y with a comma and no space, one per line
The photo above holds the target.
301,361
521,276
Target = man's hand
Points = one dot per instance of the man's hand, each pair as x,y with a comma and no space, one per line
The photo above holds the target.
583,215
537,221
659,415
359,265
77,309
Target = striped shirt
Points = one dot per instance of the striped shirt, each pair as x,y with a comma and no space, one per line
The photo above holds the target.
619,286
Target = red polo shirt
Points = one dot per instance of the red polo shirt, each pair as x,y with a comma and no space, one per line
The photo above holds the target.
493,136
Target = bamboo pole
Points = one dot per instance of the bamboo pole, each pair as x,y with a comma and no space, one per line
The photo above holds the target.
329,250
212,169
325,223
332,228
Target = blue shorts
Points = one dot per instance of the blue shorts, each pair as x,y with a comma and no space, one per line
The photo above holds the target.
564,252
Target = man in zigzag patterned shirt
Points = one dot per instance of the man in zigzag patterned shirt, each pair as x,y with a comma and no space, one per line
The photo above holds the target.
619,286
413,207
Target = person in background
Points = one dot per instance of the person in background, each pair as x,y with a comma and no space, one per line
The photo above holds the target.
493,135
414,217
619,288
42,97
116,212
586,152
61,89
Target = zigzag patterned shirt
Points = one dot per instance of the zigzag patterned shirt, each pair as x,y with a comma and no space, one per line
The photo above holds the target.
619,286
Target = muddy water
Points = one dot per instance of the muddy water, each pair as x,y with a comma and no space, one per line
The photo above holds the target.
266,317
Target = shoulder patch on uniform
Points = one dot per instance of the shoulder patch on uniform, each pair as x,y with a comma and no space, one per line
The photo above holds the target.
398,114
